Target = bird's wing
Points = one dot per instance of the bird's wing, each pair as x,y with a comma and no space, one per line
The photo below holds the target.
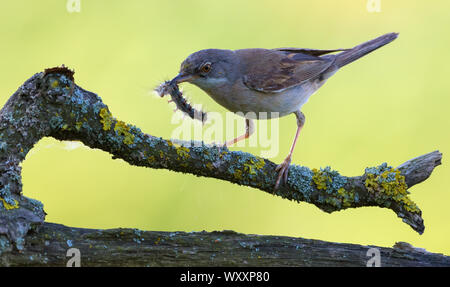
276,71
312,52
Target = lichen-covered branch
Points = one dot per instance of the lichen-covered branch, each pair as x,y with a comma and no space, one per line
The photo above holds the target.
50,104
133,247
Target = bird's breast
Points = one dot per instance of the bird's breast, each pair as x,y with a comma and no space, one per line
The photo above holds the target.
240,99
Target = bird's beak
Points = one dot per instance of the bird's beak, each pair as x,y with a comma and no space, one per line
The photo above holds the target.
181,77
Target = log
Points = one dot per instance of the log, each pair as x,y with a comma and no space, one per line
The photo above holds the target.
133,247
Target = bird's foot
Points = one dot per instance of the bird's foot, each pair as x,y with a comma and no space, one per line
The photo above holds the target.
282,169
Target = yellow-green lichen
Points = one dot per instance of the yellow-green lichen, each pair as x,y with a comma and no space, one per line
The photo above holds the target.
183,153
333,201
222,154
347,198
55,83
328,180
388,183
78,125
341,191
237,174
107,119
260,163
10,206
320,179
124,130
251,166
331,187
209,166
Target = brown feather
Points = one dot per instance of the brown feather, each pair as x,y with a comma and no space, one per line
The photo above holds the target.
276,71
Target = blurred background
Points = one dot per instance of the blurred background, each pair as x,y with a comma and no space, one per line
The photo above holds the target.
391,105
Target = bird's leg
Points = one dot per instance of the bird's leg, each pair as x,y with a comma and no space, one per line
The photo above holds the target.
249,129
283,168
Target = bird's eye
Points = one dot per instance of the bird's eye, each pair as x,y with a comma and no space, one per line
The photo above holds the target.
206,68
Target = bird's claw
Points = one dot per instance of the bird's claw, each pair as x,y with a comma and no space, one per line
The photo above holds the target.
282,169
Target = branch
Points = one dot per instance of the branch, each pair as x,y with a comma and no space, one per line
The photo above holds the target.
51,104
133,247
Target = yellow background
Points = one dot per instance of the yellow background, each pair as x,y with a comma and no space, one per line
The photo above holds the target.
389,106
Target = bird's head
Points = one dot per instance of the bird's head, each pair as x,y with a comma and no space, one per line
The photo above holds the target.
208,69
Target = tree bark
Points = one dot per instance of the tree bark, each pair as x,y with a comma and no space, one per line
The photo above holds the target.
51,104
132,247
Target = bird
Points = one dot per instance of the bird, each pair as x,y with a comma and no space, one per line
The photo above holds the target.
270,82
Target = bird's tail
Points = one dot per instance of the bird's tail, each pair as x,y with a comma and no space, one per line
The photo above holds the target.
365,48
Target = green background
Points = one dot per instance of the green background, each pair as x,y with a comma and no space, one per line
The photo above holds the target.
389,106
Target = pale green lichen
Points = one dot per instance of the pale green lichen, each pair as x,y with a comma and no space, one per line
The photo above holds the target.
56,122
302,183
387,183
3,146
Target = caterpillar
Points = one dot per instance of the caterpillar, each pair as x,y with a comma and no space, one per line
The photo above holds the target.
177,97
